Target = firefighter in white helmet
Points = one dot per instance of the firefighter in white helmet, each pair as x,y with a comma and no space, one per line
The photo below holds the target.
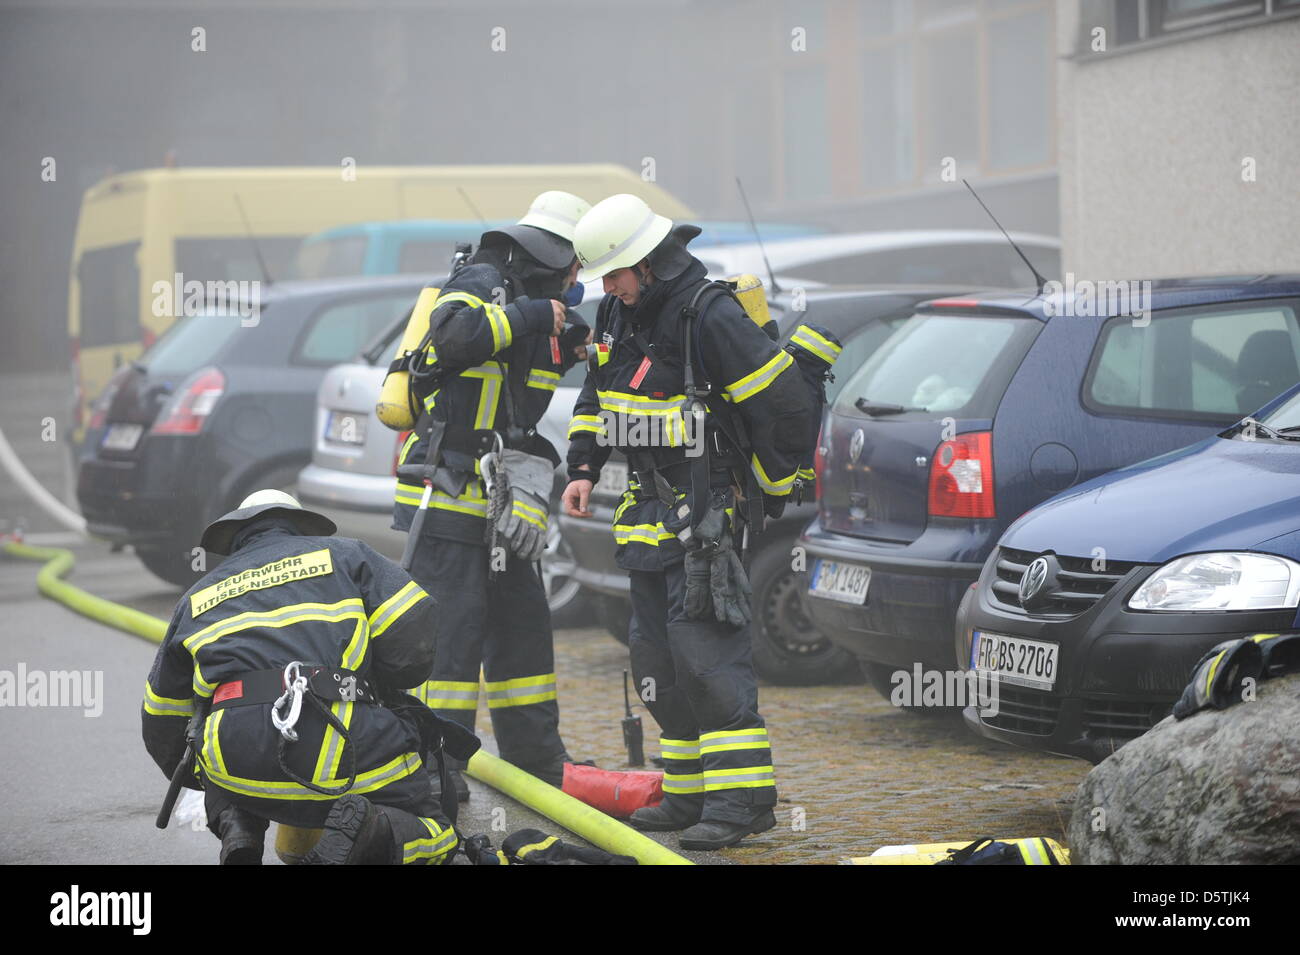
502,333
712,416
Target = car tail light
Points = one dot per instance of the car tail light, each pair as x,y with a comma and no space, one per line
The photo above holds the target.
189,408
99,410
961,477
819,462
397,451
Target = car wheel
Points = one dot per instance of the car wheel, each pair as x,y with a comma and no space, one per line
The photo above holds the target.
614,614
171,562
880,676
788,649
564,594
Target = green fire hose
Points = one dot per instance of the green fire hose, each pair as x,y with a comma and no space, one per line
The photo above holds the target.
591,824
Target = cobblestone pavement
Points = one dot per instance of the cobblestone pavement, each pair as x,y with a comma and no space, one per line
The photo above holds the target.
858,772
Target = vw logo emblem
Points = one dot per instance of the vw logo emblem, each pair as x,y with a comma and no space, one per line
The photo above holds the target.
1032,582
855,445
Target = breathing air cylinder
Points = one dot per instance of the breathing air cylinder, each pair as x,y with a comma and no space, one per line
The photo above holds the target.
394,405
749,290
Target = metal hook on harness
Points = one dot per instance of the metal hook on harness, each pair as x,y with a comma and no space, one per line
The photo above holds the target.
489,463
295,684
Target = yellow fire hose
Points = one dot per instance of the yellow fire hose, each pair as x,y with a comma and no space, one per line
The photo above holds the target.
576,816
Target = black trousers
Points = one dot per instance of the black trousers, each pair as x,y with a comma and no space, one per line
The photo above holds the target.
697,679
421,833
503,627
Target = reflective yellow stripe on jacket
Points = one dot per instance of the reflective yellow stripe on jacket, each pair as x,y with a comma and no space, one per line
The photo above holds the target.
822,347
745,388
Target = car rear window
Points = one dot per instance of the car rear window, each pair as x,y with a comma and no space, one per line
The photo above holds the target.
957,365
192,342
340,331
1221,362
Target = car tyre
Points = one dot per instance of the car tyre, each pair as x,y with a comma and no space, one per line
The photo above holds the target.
565,596
788,649
170,562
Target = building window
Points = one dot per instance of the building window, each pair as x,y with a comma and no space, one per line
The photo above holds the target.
1129,23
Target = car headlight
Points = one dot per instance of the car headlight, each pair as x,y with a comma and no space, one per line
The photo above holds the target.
1231,581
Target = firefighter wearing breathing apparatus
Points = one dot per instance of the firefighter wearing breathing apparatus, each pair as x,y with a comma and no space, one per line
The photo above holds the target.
277,691
714,417
475,477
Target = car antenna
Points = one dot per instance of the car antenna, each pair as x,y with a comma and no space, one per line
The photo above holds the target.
771,276
1038,277
472,208
257,252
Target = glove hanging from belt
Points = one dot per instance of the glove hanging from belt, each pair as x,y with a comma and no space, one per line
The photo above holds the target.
525,510
717,587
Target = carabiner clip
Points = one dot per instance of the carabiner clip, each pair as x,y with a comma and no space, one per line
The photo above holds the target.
295,685
487,465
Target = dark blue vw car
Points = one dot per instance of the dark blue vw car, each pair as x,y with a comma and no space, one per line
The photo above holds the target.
976,410
1096,606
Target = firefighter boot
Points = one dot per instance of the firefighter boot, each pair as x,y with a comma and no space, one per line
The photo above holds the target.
356,833
675,812
719,835
242,836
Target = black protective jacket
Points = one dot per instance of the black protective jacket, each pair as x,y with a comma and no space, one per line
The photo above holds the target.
633,399
282,597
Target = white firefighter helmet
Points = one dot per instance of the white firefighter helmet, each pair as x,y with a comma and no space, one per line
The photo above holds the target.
617,233
546,230
218,535
557,212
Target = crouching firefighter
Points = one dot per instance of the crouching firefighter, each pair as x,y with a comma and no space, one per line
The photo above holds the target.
714,419
482,357
277,691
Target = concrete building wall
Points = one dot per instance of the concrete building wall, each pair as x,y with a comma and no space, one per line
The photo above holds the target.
1155,149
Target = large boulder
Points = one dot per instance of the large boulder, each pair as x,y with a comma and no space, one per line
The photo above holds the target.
1222,786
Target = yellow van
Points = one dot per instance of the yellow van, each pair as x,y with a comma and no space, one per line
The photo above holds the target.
205,225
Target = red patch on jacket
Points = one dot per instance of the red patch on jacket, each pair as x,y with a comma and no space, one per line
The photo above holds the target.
228,691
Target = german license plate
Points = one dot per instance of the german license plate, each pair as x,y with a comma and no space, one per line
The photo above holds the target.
1015,660
836,580
346,428
613,480
122,437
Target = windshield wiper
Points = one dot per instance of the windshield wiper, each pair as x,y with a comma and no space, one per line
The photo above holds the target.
1289,433
877,408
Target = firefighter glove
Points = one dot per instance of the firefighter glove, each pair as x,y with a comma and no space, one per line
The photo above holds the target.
523,520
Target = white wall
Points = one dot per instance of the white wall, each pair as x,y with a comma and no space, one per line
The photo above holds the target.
1151,149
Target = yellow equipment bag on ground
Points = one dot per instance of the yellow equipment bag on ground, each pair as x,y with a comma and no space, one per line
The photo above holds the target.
1031,851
